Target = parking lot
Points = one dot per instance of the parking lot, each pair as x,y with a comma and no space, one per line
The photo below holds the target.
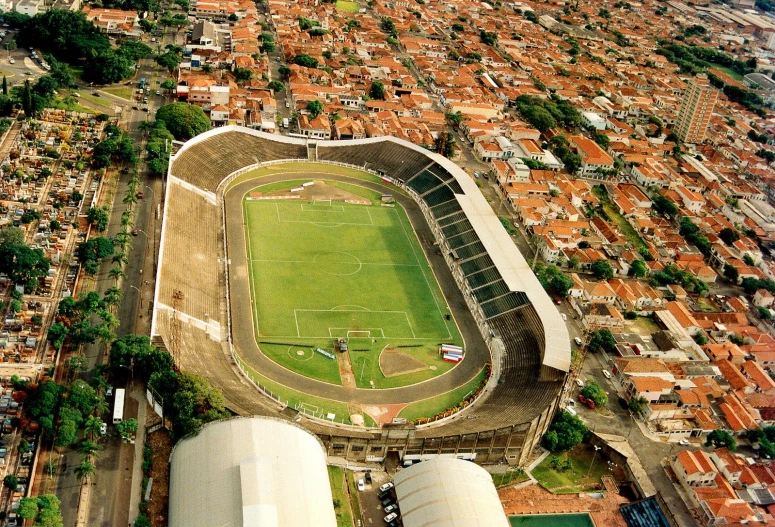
372,510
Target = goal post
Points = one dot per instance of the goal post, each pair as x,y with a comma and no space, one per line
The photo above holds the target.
321,201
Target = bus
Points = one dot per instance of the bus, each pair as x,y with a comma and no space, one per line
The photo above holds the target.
118,406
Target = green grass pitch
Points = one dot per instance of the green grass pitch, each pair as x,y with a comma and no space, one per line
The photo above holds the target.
321,271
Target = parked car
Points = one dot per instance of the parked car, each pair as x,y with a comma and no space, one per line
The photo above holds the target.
623,403
577,341
684,442
579,383
387,486
607,374
103,429
391,508
387,501
390,517
361,486
367,476
384,494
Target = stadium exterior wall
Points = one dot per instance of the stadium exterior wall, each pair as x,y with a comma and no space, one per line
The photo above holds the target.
506,443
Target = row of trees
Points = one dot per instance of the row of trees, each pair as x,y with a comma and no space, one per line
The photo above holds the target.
188,400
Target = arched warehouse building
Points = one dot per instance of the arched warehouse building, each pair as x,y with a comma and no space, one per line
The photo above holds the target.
506,310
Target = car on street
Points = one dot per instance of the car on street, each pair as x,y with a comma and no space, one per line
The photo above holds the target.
387,486
579,383
158,92
390,517
623,403
607,374
361,485
577,340
11,61
391,508
103,429
135,232
564,317
287,104
684,442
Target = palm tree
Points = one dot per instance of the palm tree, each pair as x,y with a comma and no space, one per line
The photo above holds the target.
89,448
130,200
85,470
116,273
120,258
101,407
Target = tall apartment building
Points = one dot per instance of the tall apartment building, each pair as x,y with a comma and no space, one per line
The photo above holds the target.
696,110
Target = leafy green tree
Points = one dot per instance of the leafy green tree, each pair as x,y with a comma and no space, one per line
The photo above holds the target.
637,404
182,120
565,432
85,470
315,108
377,90
664,206
602,339
285,71
126,428
67,434
721,438
593,391
168,85
639,268
305,61
276,86
45,399
602,269
99,217
28,508
11,482
728,235
731,273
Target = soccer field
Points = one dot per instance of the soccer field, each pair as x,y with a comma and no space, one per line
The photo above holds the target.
320,271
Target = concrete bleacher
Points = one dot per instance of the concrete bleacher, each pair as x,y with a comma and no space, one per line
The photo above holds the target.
392,159
189,256
219,155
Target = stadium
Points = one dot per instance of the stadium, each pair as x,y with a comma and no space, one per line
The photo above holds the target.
242,259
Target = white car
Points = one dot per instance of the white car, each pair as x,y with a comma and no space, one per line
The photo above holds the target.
607,374
390,517
103,429
11,61
577,341
386,486
579,383
361,485
564,317
684,442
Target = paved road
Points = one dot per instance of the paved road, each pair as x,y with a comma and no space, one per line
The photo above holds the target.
621,423
477,352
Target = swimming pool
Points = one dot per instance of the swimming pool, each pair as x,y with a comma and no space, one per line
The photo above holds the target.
552,520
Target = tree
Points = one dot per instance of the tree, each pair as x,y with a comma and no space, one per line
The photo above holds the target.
67,435
664,206
593,391
276,86
99,217
305,61
638,404
285,71
602,339
126,428
28,508
168,85
454,119
315,108
168,60
729,236
602,270
11,482
720,439
85,470
182,120
377,90
565,432
731,273
639,268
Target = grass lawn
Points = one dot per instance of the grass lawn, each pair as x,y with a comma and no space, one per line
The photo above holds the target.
352,484
320,407
732,73
436,405
344,514
99,101
643,325
324,271
631,234
350,7
60,105
583,474
511,477
125,92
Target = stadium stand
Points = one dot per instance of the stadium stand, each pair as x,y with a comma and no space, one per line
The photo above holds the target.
219,155
391,158
189,259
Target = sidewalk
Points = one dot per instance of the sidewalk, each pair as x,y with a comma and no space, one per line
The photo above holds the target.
138,394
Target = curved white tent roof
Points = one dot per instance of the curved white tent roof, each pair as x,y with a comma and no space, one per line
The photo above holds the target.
448,492
250,472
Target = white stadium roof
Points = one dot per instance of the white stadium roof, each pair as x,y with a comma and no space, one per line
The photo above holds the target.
250,472
448,492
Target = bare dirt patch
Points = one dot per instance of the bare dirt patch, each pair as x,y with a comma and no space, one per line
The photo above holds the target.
383,414
161,444
320,190
393,361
